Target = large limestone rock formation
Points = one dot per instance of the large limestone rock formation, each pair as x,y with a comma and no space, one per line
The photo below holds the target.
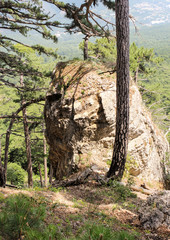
80,115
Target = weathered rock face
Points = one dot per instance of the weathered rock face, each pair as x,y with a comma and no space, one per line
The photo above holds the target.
80,115
155,212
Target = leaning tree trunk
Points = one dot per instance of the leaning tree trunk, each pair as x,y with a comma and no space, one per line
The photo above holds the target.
122,92
27,141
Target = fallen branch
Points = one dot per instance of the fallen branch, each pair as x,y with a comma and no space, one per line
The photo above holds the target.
89,174
110,71
12,186
75,180
142,190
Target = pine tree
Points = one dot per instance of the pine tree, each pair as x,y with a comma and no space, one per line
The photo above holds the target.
103,49
142,60
21,17
84,20
122,90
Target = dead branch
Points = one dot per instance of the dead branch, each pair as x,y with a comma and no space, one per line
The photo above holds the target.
75,180
12,186
89,174
111,71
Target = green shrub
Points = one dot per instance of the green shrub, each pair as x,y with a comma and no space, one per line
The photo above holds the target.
15,174
130,163
1,197
22,217
97,232
49,233
122,192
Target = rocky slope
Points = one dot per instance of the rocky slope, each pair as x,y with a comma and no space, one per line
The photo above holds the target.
80,114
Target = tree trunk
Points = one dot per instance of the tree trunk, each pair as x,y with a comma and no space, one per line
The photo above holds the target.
0,150
27,141
45,158
86,56
136,75
122,91
8,133
51,174
2,176
41,179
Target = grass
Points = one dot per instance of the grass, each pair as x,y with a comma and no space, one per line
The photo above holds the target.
92,214
102,232
119,192
79,203
23,217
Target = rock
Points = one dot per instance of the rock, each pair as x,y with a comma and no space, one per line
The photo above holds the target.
155,212
80,127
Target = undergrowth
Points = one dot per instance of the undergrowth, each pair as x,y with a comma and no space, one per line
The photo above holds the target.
119,192
101,232
22,217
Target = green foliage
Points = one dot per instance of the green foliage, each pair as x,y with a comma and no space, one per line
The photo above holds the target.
97,232
34,87
50,232
142,60
109,3
17,155
130,163
155,88
103,49
120,191
54,189
16,174
20,58
22,217
26,16
1,197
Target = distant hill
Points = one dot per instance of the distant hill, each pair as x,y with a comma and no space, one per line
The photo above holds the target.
148,12
156,37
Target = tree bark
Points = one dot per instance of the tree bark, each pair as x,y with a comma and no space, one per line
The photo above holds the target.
45,158
41,179
27,140
8,133
136,75
2,173
0,150
122,91
51,174
86,39
28,148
